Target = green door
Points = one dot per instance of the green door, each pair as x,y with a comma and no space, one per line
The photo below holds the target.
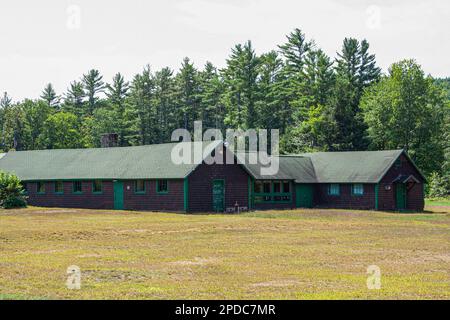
118,195
219,195
400,196
304,195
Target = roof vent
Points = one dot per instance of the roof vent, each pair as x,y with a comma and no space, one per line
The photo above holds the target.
109,140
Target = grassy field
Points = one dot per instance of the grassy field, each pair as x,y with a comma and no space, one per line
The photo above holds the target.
435,203
302,254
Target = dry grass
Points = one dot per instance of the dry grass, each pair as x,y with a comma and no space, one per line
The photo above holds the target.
302,254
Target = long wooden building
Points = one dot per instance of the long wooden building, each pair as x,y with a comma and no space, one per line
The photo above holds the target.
146,178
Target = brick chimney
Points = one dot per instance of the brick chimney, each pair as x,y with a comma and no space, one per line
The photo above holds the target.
109,140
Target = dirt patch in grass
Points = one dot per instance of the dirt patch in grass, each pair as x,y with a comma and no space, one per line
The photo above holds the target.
276,283
195,262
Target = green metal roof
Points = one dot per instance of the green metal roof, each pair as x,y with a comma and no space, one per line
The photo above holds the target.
154,162
332,167
295,168
352,166
142,162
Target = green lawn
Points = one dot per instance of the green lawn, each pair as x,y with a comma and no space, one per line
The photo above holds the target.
444,202
301,254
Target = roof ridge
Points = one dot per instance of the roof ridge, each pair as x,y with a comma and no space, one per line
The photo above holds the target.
114,148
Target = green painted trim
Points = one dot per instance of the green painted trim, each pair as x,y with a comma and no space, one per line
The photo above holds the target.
272,193
186,194
377,186
141,192
101,186
73,187
54,187
250,195
157,186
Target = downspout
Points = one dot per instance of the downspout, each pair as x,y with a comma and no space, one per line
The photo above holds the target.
377,187
186,194
250,194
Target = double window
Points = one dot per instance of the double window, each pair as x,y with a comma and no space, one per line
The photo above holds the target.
41,187
333,189
59,187
139,186
162,186
97,186
77,187
272,191
357,189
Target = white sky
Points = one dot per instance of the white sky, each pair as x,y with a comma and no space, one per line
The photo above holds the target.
59,40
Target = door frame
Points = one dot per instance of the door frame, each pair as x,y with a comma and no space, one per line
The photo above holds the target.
404,190
223,192
118,200
298,187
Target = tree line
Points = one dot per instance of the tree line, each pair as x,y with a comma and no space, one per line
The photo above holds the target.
318,103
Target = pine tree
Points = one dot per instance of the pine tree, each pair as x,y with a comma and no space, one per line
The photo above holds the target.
211,88
271,114
295,50
117,94
142,100
5,103
93,85
49,95
165,104
240,78
355,71
187,83
74,98
295,53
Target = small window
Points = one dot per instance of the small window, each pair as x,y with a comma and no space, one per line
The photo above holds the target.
139,186
77,187
258,187
59,187
398,163
277,187
358,189
41,187
97,186
286,187
162,186
267,187
333,189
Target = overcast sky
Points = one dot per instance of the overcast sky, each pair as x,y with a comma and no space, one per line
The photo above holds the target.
58,40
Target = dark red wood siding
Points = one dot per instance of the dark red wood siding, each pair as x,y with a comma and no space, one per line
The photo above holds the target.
68,199
153,201
415,195
201,184
345,200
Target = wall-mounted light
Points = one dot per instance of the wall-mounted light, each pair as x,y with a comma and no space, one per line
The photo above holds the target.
387,187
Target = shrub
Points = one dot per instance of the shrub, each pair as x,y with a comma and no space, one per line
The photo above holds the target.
438,186
12,194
